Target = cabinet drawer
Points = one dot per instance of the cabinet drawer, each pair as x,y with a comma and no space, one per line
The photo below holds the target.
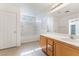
50,41
49,47
50,53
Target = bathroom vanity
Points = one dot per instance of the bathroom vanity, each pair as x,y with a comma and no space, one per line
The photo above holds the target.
59,45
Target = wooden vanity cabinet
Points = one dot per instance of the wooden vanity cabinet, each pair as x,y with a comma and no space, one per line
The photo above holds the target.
53,47
63,49
43,43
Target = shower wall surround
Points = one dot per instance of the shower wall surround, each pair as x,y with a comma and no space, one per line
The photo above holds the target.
28,28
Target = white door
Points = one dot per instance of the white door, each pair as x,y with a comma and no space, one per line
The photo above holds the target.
7,30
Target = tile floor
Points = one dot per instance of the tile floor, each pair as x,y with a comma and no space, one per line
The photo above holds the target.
27,49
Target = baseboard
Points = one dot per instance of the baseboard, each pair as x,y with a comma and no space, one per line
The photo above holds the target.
29,41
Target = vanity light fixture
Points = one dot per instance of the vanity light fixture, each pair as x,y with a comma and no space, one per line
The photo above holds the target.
58,6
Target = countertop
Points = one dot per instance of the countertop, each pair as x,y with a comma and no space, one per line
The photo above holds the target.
62,37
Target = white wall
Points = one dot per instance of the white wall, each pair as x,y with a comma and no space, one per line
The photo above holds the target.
50,23
13,8
43,23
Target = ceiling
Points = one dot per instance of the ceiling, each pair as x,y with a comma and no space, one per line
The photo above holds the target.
38,7
70,9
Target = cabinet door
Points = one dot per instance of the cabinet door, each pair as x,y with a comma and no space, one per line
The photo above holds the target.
49,49
58,49
43,43
64,50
